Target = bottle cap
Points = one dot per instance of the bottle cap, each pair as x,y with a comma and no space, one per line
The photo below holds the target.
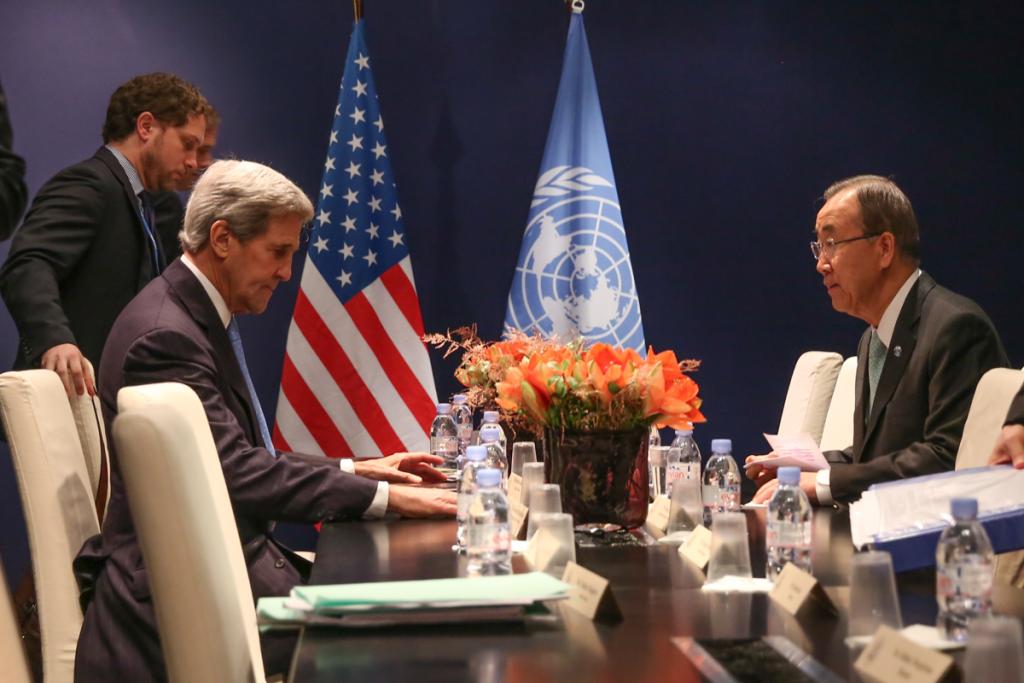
964,508
790,476
443,409
458,398
721,446
490,416
488,436
476,453
684,432
488,476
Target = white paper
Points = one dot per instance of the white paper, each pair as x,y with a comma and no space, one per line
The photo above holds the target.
925,636
738,584
794,450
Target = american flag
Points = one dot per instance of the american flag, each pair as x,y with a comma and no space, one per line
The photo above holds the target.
356,377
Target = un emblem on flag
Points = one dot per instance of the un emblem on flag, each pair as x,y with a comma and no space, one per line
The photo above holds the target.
574,275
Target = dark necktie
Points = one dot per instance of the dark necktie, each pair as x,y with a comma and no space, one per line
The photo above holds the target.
149,223
876,360
236,344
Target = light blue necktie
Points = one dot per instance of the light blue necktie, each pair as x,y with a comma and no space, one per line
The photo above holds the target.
236,344
876,360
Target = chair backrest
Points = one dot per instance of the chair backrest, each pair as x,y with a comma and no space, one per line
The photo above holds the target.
201,592
838,431
991,401
57,500
12,653
92,436
810,389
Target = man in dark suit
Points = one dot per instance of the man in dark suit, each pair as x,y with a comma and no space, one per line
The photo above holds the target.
242,226
918,362
12,176
1010,446
88,243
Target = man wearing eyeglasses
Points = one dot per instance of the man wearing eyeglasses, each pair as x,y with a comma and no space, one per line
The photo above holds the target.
920,358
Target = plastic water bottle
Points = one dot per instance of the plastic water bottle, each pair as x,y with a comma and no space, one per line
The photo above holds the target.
683,459
463,416
721,489
495,452
444,437
964,564
488,545
490,424
788,537
475,461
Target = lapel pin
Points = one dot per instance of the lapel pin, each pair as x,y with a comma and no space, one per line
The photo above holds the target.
897,350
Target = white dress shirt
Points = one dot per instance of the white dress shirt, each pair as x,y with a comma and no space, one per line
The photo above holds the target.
885,329
379,504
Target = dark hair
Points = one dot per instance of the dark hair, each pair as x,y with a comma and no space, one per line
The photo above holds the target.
169,98
883,208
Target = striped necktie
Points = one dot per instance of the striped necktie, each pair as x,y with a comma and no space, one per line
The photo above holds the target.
236,344
876,361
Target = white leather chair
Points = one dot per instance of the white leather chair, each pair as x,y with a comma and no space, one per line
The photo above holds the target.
810,389
57,500
992,398
12,653
186,529
92,436
838,431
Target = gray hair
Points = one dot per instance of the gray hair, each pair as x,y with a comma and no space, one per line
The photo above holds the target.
246,195
884,208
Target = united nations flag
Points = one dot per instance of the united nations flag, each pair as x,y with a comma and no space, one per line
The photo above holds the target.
574,276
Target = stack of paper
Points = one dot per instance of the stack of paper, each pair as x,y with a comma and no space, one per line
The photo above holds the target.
491,598
906,516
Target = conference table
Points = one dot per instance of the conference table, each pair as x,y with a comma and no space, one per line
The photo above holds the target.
657,592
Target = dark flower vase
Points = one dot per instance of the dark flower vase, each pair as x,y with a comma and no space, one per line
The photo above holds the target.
603,474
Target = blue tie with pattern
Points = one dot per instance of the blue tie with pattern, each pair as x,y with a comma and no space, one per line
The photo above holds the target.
876,360
236,344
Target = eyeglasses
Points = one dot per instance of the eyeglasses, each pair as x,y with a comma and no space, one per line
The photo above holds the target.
828,247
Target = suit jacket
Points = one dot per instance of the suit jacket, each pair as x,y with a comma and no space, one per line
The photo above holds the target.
942,344
80,256
170,215
171,332
1015,416
12,176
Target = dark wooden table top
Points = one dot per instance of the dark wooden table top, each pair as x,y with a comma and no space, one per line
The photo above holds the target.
659,595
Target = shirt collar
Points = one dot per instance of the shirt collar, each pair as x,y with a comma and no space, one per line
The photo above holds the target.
211,291
887,325
133,176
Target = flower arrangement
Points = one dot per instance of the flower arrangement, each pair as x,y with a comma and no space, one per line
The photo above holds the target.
543,383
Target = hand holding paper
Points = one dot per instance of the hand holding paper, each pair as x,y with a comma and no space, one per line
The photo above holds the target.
796,450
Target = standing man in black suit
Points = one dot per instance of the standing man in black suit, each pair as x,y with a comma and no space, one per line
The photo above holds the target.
12,176
242,227
88,243
919,361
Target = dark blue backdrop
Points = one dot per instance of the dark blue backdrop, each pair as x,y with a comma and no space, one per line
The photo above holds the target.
725,122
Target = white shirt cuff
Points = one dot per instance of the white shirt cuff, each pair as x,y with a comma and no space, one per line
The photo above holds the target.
379,504
823,486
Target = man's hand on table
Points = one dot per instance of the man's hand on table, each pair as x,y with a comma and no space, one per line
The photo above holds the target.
807,484
1009,448
402,468
410,501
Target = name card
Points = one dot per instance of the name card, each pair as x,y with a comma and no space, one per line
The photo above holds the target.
515,488
517,514
892,658
590,594
796,590
541,549
697,548
658,514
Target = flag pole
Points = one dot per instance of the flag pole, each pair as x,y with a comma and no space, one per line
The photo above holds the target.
357,9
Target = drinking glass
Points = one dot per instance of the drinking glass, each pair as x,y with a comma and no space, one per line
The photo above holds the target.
873,600
544,498
522,453
730,549
995,650
558,528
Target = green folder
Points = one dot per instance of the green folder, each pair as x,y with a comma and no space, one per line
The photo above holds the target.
513,589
